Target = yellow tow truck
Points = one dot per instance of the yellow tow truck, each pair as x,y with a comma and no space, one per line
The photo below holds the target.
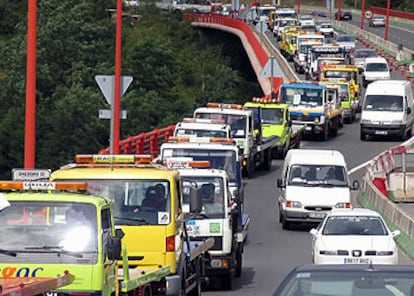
348,102
288,41
147,204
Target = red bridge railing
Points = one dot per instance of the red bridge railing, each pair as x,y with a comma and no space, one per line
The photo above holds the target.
149,143
395,13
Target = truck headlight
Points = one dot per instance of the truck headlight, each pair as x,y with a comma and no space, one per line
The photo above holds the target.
397,122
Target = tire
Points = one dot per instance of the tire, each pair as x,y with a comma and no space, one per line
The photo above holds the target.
285,224
239,258
197,290
362,136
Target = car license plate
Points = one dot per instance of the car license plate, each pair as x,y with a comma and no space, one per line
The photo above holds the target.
317,215
356,260
380,132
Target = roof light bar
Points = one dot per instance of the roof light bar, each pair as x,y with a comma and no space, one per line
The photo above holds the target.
177,164
119,158
43,186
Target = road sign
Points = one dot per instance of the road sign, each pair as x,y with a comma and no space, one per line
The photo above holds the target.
30,174
271,69
106,114
107,82
368,14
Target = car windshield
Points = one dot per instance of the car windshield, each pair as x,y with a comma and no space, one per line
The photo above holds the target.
383,103
365,54
212,194
308,175
345,38
326,26
346,282
376,67
354,225
49,227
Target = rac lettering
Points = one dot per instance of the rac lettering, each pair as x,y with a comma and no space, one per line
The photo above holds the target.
9,271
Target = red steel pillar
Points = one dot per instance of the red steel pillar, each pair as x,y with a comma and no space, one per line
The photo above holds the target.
362,14
117,92
387,20
30,123
339,10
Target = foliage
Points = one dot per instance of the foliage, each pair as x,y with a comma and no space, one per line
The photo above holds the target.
172,70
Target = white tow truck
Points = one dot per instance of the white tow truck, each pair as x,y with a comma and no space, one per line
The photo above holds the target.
256,150
304,42
318,54
218,218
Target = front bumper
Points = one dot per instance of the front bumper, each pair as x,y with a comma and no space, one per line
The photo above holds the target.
303,215
382,130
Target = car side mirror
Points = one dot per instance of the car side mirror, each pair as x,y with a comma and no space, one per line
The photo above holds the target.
280,183
409,110
314,232
355,185
395,233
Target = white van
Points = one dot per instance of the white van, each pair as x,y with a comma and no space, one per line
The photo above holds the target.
375,69
387,109
312,183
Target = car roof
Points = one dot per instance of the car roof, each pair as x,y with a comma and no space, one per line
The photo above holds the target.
315,157
375,60
353,212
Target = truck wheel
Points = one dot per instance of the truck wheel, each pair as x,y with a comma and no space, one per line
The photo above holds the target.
325,133
362,136
239,258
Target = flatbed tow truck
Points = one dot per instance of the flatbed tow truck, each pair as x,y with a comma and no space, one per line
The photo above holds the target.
217,219
256,149
276,121
146,201
51,225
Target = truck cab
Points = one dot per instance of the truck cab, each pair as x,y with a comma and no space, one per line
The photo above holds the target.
55,226
197,127
319,52
276,122
218,219
336,72
305,41
147,204
313,105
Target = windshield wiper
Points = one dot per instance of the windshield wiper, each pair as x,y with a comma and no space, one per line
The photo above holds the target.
54,249
8,253
137,219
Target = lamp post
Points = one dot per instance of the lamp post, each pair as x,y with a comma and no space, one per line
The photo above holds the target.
387,20
30,116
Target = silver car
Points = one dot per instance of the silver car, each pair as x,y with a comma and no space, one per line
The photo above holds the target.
377,21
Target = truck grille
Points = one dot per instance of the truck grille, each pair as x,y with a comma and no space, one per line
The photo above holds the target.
218,241
302,117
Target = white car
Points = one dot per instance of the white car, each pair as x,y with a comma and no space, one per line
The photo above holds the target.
326,29
306,21
354,236
375,69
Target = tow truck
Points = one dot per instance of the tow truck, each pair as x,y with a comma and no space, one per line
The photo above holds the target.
319,54
350,73
276,122
315,105
246,130
288,42
305,41
218,218
348,102
197,127
50,226
146,201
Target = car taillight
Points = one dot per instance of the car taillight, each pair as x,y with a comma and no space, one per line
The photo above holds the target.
170,244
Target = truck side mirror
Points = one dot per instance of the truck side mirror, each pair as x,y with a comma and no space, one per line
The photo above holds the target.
289,122
239,195
355,185
196,204
115,245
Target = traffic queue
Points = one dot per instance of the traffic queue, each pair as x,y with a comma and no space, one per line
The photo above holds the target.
171,222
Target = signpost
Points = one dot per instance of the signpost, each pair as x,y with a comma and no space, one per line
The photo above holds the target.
271,69
106,83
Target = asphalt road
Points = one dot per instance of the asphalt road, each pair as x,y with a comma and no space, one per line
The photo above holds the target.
272,252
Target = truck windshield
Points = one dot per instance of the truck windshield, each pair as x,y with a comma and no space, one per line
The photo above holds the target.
219,159
337,74
269,115
301,95
135,202
49,227
202,133
383,103
304,175
237,122
212,194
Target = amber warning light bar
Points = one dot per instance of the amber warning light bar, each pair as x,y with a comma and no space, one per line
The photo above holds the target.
43,186
114,159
